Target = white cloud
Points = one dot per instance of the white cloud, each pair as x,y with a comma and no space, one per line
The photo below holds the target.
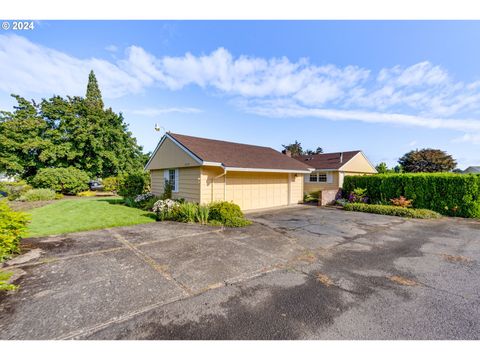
152,112
473,138
422,94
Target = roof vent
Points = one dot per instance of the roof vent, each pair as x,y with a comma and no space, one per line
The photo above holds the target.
341,157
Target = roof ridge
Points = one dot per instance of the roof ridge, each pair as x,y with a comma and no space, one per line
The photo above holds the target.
222,141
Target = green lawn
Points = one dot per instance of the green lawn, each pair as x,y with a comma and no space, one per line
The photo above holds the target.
67,216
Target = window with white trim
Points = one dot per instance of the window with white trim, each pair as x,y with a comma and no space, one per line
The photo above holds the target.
322,178
171,175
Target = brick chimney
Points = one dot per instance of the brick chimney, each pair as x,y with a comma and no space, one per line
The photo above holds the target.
287,152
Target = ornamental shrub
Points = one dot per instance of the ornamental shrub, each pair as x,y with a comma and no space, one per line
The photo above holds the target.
132,184
13,226
228,214
110,184
187,212
63,180
38,195
447,193
14,189
392,210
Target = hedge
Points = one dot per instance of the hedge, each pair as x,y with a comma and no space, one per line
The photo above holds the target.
63,180
447,193
392,210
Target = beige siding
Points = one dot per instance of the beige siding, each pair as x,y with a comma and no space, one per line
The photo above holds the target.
212,184
359,164
256,190
296,188
188,183
170,156
316,186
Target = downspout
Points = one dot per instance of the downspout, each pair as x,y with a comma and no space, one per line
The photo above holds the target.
224,183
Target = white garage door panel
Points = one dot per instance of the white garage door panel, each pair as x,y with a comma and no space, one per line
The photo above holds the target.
257,190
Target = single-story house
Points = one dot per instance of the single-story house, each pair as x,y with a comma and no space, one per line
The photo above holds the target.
472,170
331,168
205,170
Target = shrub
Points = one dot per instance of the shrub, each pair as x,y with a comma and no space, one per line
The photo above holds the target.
145,201
187,212
202,214
38,195
165,209
87,193
63,180
358,195
167,190
13,226
110,184
58,196
447,193
228,214
15,189
313,196
130,185
4,285
392,210
401,201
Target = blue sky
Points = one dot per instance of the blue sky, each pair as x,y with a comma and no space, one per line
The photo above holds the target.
385,87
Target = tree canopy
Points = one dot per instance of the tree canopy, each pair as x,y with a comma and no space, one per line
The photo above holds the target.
297,150
427,160
63,132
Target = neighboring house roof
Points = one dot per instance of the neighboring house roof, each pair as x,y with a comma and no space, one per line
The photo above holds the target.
235,156
330,161
472,170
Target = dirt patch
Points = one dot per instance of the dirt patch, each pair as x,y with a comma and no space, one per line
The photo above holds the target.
307,256
402,280
456,258
324,279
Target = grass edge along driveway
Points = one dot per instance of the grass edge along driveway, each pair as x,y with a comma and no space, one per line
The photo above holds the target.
83,214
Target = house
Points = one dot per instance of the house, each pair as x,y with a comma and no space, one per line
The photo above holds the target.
472,170
205,170
330,170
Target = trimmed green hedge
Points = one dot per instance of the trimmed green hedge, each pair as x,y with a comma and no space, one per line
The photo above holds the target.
392,210
447,193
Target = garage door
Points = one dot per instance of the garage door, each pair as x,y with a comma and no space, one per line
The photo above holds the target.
257,190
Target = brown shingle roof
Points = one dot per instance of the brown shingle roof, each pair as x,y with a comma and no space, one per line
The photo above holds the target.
238,155
327,161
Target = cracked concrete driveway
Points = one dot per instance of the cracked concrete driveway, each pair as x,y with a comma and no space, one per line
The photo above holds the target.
297,273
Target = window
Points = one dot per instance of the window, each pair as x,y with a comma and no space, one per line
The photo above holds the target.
322,178
313,177
171,175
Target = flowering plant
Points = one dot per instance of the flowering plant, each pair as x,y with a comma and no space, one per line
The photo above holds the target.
143,197
163,208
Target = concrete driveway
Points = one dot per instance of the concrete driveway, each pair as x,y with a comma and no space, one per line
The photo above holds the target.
297,273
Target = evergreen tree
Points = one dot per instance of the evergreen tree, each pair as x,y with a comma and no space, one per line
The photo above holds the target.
427,160
63,132
93,97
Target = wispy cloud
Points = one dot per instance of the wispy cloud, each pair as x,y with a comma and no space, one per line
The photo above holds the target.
473,138
111,48
152,112
422,94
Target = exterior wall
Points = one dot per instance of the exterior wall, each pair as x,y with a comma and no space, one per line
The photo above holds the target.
170,156
327,197
359,164
212,184
296,188
312,187
188,183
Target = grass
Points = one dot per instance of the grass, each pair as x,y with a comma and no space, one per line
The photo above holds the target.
84,214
